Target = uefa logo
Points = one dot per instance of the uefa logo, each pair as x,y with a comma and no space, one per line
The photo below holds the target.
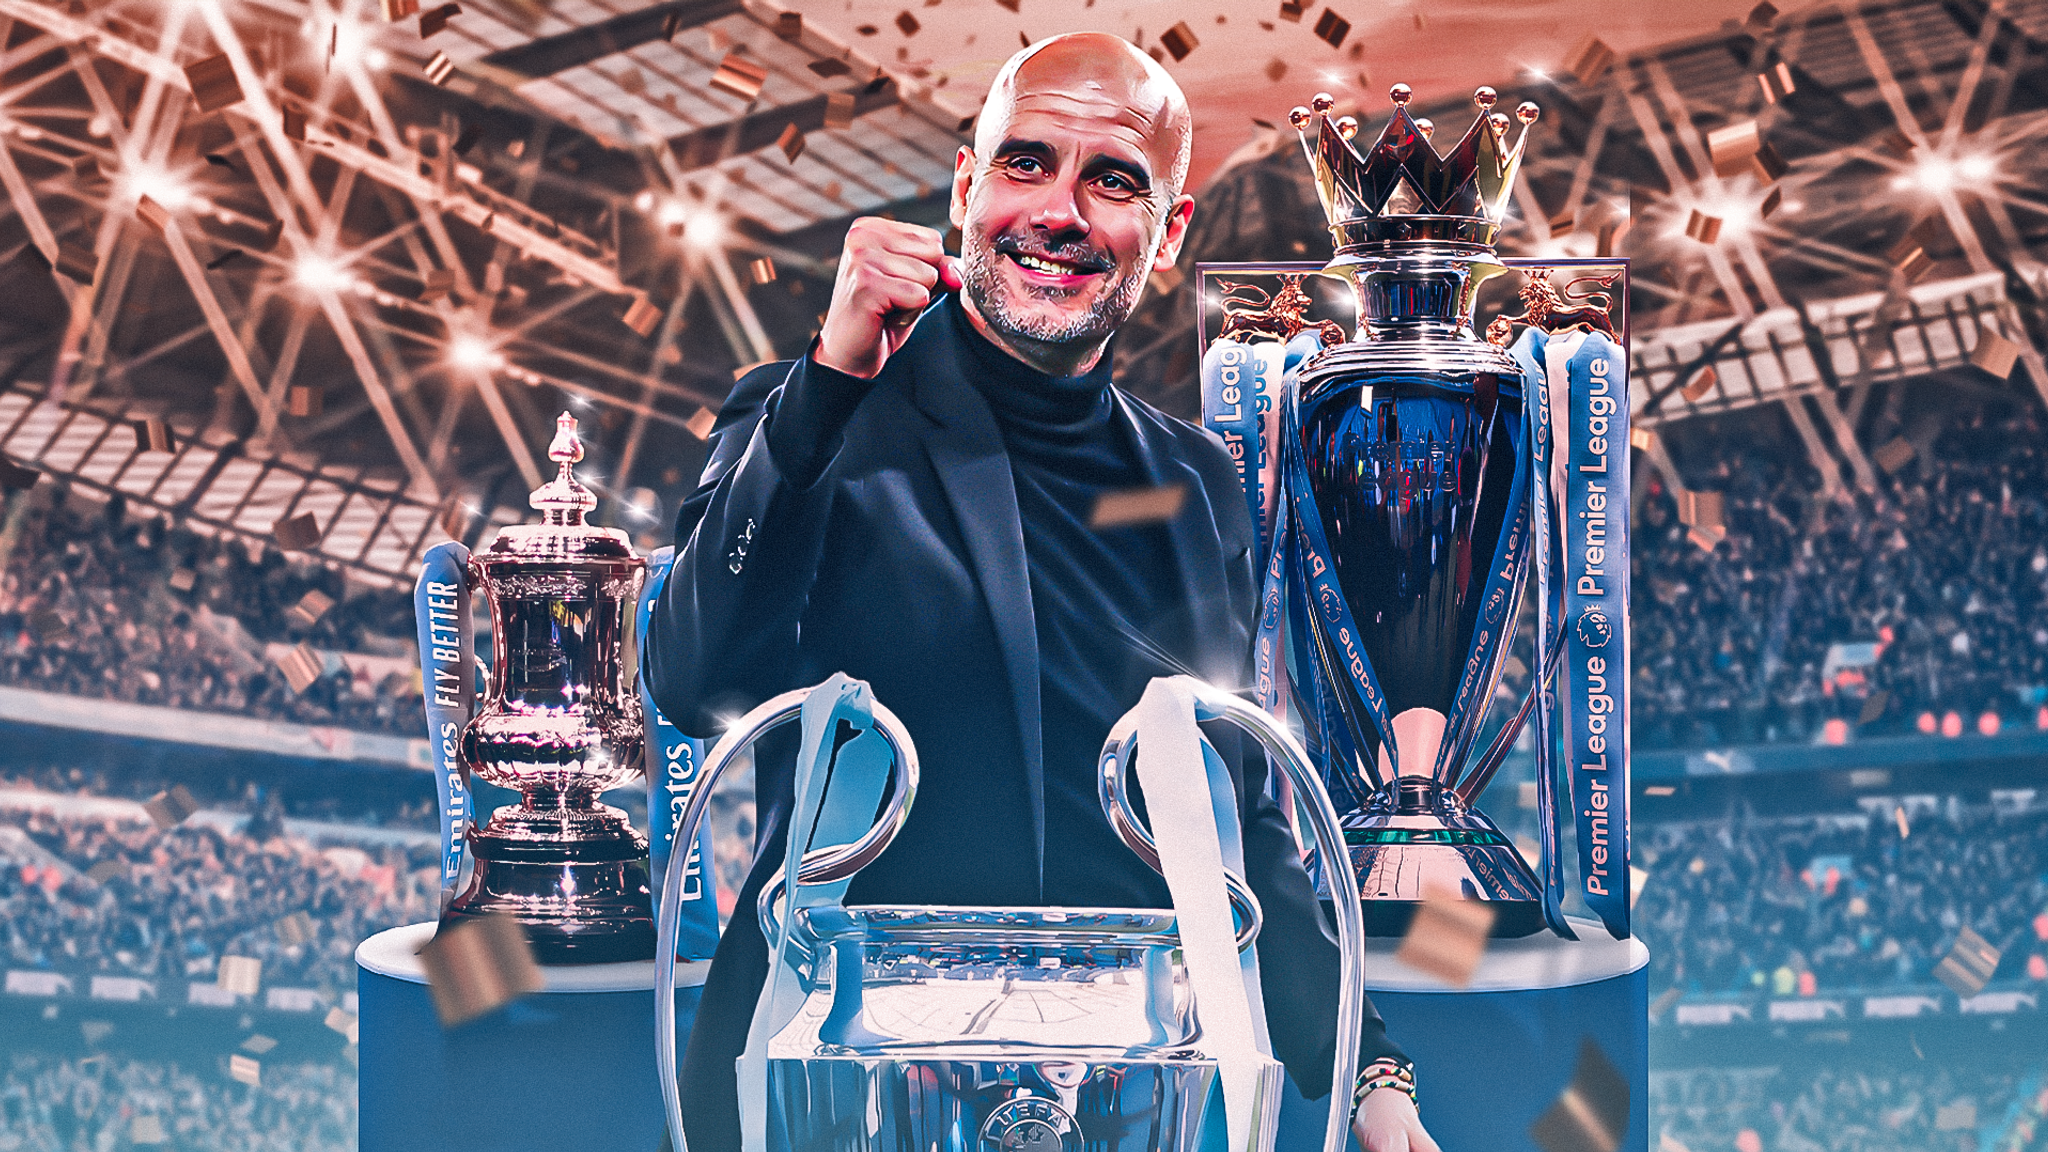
1030,1124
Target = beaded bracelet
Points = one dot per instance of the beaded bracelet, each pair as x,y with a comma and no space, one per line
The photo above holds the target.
1385,1072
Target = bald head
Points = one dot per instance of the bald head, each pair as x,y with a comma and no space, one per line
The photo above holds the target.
1095,74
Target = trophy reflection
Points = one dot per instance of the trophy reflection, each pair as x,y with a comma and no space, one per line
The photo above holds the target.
560,723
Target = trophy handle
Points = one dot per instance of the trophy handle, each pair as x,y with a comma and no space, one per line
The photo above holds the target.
1212,703
820,866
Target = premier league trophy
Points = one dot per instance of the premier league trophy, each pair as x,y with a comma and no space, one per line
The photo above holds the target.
560,723
1414,471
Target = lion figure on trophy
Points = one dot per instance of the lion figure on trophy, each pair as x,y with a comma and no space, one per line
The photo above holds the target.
1249,310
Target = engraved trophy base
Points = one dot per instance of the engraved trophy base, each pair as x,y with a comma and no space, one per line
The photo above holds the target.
1416,839
575,879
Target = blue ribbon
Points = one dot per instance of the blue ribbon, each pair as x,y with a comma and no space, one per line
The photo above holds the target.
1239,385
674,762
1581,436
441,610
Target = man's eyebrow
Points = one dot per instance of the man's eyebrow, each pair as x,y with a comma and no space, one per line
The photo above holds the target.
1136,173
1013,147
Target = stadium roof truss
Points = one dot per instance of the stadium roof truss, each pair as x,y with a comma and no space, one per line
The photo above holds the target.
307,187
1911,137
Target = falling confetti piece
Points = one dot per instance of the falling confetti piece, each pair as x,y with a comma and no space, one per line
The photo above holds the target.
1137,506
213,82
477,965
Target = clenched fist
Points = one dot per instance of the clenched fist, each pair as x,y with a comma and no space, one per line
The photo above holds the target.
888,272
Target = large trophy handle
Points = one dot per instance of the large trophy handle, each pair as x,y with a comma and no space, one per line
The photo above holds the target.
1212,703
819,866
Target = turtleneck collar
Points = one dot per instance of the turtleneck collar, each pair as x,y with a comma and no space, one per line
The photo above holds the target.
1029,401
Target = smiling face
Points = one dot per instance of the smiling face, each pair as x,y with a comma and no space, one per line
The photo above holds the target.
1070,197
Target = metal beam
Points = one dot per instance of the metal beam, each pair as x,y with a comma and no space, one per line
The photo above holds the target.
757,130
550,55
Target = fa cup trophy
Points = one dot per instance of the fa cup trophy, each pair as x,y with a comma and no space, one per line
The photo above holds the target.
1418,470
560,723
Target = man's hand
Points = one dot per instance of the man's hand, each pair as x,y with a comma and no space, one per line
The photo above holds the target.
887,274
1386,1122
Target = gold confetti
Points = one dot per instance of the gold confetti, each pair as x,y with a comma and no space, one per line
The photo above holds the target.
1895,454
701,424
439,69
1732,147
1706,539
1447,938
1969,963
1873,708
436,285
310,608
907,24
791,142
641,316
146,1130
739,76
1178,41
1641,439
1905,829
477,965
213,82
342,1022
1590,60
152,213
153,435
1137,506
1332,28
830,66
296,533
839,110
437,19
1275,69
761,270
1292,12
297,928
242,975
1994,353
789,26
302,401
172,807
48,624
246,1069
671,24
1762,15
258,1044
293,120
223,260
1771,204
1702,227
1591,1114
106,870
1768,163
396,10
182,579
1700,509
1702,382
300,665
1658,1007
1660,790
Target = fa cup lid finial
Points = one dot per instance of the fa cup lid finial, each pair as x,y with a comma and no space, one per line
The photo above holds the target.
564,500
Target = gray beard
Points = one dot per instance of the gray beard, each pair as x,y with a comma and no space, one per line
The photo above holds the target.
984,286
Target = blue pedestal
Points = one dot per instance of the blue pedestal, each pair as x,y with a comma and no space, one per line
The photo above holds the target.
1491,1058
568,1069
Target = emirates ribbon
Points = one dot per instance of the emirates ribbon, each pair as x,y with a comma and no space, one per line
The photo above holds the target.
674,763
440,602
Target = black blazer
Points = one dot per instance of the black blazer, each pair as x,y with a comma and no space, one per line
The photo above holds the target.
902,563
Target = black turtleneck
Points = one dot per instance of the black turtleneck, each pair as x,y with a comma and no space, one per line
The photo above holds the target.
1094,593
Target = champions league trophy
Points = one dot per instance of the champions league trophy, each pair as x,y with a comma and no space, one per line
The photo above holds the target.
1413,473
560,723
1012,1029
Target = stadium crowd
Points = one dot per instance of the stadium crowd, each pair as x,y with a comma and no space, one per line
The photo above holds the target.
1800,907
52,1104
1945,569
135,900
96,602
1868,1104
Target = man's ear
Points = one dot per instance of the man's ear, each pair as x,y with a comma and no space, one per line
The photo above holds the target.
1177,218
963,180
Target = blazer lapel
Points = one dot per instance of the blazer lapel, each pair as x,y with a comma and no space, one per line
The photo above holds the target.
1197,551
973,467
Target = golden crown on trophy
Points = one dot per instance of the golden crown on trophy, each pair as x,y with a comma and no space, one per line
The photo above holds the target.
1393,189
